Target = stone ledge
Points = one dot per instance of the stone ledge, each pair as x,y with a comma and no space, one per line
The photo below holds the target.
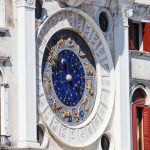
3,29
138,53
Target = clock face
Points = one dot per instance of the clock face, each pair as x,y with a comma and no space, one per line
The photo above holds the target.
75,78
68,72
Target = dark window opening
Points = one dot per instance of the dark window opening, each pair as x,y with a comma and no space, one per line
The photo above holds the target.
139,36
105,143
38,9
103,21
133,35
139,96
40,135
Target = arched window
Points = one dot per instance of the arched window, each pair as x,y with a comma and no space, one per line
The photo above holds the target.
139,96
140,120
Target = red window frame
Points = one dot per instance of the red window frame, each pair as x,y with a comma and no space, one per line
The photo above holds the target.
146,126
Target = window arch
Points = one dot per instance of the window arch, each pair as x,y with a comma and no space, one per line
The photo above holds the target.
139,96
140,118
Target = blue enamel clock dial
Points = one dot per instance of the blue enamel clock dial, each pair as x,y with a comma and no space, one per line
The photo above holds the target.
68,71
68,78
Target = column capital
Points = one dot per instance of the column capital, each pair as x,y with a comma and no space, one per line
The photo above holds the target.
121,14
25,3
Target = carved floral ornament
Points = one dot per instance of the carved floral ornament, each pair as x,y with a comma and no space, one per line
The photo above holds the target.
72,125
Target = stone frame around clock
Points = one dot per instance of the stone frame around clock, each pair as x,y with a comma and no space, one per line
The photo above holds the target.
89,131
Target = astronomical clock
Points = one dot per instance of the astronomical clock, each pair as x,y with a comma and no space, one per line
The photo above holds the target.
74,78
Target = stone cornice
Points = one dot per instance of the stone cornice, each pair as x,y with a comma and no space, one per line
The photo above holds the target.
141,12
121,13
76,3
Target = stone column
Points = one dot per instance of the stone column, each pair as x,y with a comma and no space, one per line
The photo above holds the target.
122,117
26,74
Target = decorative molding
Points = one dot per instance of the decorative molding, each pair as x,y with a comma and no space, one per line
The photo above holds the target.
140,85
141,12
73,3
3,29
25,3
121,14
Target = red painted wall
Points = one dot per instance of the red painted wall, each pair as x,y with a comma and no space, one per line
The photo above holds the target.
146,37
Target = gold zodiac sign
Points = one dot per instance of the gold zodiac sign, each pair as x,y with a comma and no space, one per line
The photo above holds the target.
84,100
90,88
81,53
56,106
88,69
87,105
47,78
78,48
47,83
66,114
61,42
77,115
52,56
91,109
47,87
70,42
50,60
87,102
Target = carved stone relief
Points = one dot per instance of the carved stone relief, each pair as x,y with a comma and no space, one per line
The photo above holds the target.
141,12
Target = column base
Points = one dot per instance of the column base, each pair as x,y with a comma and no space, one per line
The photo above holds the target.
27,144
